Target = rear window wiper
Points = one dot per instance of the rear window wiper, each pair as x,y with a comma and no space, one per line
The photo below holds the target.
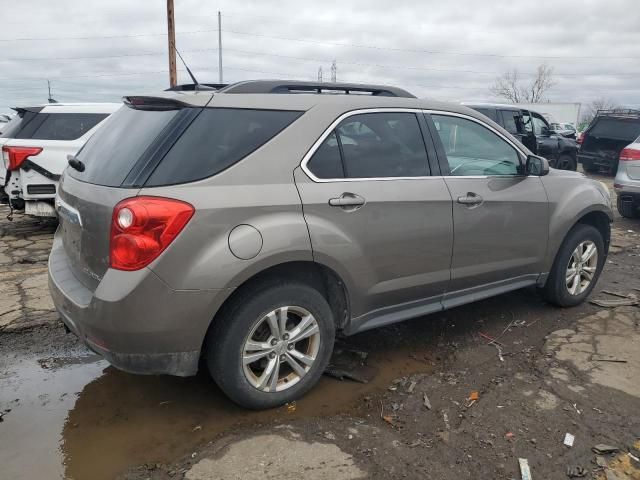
75,163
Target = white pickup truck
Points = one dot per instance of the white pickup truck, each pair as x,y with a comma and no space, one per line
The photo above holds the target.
35,145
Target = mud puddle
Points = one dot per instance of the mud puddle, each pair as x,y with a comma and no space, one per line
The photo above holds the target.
74,416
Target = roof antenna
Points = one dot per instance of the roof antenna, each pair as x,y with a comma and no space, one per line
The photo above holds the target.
51,100
196,85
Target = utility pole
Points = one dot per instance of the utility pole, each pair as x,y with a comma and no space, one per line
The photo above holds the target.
173,76
334,72
219,47
320,74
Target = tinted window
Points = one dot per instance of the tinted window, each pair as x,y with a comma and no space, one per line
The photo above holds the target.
473,149
17,123
218,138
512,121
615,128
382,145
65,126
114,149
326,162
487,112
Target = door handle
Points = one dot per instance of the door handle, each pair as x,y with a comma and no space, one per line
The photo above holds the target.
347,201
471,199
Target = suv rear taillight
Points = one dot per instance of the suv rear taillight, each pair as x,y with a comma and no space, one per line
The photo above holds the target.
143,227
14,156
628,154
580,138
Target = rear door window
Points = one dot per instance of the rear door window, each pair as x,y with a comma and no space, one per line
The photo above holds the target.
327,162
373,145
111,153
217,139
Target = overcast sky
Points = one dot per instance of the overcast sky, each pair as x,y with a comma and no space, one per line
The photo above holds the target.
99,50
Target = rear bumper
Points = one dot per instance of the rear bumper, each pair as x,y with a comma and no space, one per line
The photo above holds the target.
597,160
133,319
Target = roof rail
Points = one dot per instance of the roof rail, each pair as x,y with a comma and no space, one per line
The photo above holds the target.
291,86
618,112
190,87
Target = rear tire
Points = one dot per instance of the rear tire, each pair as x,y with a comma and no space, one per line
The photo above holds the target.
565,290
589,167
250,327
627,209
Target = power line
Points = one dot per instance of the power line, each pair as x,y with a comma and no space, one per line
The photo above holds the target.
91,37
326,60
434,52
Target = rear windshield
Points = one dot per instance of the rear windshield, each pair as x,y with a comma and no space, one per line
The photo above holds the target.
616,129
217,139
51,126
110,154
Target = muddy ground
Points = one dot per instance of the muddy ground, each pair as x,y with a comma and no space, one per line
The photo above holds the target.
67,414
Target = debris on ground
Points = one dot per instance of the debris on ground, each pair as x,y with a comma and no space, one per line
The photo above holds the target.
291,407
622,302
525,471
604,449
576,471
600,358
569,439
350,364
426,401
411,387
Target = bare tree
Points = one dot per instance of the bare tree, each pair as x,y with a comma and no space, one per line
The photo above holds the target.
590,111
511,86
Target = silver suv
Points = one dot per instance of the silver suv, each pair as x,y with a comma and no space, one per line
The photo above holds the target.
627,182
247,226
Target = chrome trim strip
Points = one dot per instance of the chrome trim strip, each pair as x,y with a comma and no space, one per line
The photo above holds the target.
334,124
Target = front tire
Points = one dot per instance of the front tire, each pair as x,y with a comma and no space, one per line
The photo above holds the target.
576,268
270,347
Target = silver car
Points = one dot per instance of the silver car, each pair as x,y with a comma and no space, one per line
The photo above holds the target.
627,182
247,226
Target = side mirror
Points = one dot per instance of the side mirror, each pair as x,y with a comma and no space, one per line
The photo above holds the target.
544,131
537,166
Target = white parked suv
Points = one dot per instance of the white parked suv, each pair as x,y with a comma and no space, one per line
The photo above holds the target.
35,145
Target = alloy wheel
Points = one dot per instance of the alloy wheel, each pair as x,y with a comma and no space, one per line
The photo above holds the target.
582,267
281,348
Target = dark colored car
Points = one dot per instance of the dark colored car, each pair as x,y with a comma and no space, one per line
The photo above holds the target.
605,137
534,132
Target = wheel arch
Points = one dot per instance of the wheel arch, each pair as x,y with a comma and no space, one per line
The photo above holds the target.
597,218
311,273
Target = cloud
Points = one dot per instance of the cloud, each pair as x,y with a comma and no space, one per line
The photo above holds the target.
447,50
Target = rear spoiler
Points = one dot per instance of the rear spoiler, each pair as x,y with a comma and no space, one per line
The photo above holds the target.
21,110
154,103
